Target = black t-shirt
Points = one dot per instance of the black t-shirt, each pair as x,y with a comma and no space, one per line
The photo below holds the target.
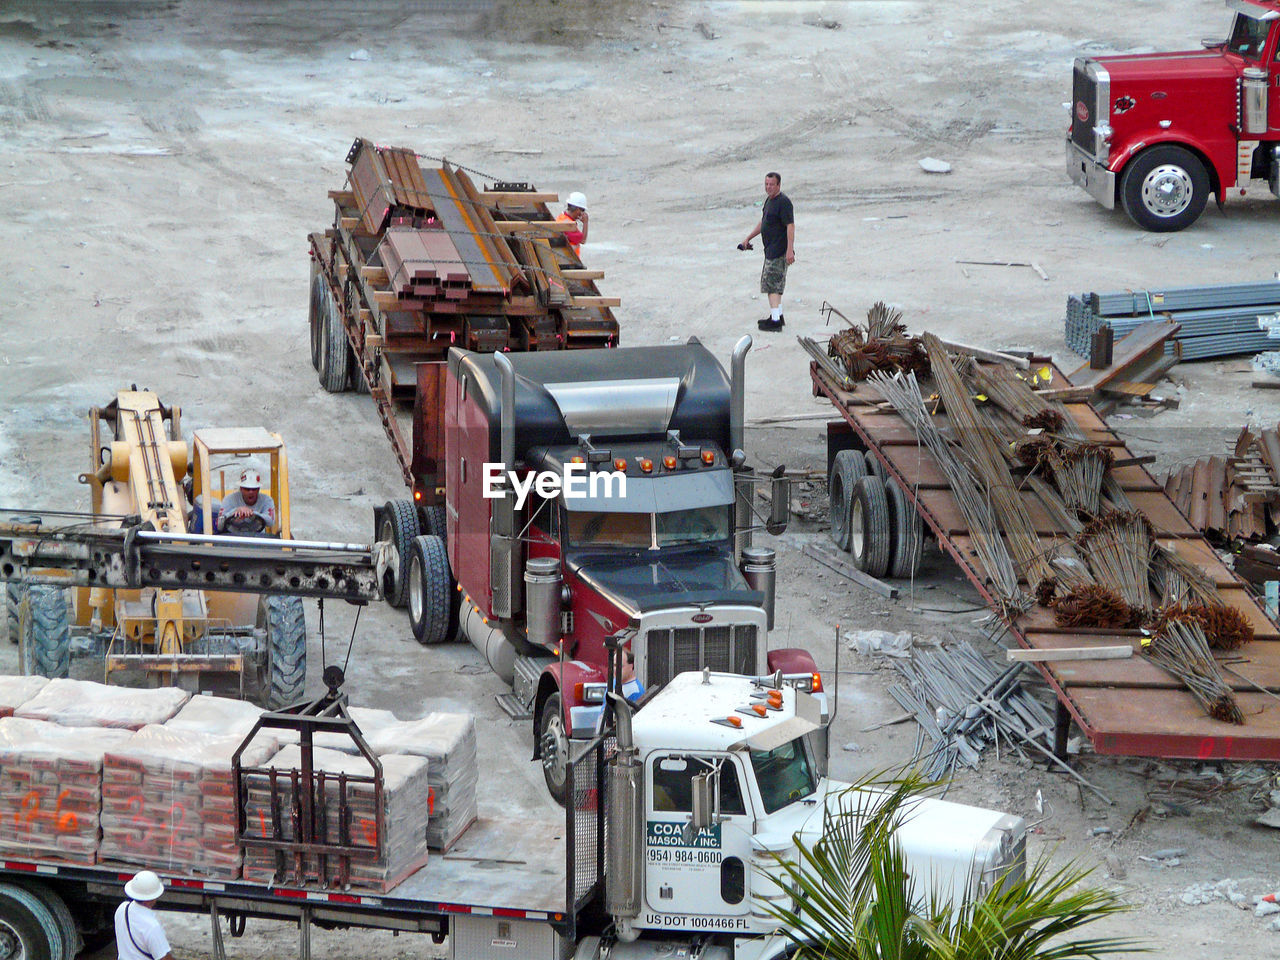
774,218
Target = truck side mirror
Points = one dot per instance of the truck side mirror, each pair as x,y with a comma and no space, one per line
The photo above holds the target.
703,814
780,505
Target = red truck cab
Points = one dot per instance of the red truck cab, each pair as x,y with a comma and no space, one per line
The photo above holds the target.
1159,132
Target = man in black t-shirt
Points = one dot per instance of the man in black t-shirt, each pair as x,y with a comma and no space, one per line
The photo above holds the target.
777,228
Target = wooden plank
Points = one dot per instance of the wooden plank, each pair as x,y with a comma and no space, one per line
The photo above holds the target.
518,197
1120,652
1067,394
572,274
596,302
1127,389
349,223
1128,351
828,557
983,354
345,198
530,226
376,275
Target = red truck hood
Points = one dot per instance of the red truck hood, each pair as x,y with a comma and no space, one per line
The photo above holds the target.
1170,68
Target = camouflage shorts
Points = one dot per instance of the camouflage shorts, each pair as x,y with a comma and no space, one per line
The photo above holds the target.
773,277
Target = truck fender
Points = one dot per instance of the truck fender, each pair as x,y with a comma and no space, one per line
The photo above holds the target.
1158,138
561,678
791,660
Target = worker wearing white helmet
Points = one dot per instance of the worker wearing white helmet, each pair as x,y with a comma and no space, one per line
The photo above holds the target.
575,211
248,510
139,934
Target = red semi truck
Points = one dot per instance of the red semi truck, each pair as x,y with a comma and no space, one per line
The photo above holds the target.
1159,132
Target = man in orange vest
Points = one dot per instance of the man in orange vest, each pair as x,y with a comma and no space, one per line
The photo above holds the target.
575,211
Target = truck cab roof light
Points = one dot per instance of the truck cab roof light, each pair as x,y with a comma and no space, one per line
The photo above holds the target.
735,722
646,465
669,462
708,457
577,459
775,698
620,464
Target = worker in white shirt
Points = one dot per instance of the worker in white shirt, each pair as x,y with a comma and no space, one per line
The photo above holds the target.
139,935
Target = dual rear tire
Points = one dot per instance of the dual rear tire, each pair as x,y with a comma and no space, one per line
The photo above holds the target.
872,518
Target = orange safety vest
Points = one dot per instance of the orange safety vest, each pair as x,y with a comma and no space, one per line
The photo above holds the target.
576,246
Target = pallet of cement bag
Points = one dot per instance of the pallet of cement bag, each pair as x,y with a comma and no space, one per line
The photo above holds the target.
405,807
448,741
83,703
169,800
50,788
15,691
220,715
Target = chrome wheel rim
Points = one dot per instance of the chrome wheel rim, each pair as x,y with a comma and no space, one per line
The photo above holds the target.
415,589
1167,190
553,750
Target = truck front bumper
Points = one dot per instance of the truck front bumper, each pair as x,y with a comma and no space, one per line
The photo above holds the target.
1097,180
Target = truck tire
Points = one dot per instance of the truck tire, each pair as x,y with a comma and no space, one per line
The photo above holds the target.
28,930
846,470
908,533
72,943
431,595
874,467
46,633
1164,189
12,600
399,526
553,742
283,676
356,381
870,535
435,518
317,311
334,352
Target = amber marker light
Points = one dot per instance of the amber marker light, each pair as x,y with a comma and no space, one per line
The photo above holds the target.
646,466
760,709
817,683
669,463
620,465
576,460
708,457
733,721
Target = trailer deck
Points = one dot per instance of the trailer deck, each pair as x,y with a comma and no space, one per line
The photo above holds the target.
1125,707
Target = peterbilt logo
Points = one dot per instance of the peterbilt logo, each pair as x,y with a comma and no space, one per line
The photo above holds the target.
1082,111
702,618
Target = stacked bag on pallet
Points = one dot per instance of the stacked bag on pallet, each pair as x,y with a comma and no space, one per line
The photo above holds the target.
15,691
82,703
448,741
406,803
169,800
217,715
50,788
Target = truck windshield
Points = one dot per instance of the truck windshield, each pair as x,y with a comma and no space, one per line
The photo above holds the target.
784,775
1248,36
645,531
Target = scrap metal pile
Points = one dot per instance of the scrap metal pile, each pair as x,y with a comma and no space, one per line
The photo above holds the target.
1007,448
1233,497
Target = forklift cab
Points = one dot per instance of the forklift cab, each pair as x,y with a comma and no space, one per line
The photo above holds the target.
220,454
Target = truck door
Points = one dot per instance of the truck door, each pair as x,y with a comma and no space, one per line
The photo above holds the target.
697,881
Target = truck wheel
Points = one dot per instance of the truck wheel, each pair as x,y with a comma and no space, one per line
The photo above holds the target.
553,742
846,470
433,604
283,675
908,533
46,632
870,536
71,940
333,352
356,381
874,467
317,311
399,527
28,930
435,518
1164,189
12,600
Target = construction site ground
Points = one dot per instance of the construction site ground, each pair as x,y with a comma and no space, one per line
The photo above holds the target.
161,165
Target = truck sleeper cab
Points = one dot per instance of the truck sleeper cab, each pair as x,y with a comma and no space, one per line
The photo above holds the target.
1157,133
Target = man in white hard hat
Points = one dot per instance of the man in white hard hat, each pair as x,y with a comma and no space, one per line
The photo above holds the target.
139,934
575,211
248,510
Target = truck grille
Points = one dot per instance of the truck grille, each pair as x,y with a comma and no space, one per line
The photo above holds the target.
725,649
1084,89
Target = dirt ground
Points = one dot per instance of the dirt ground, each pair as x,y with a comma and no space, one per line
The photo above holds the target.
161,164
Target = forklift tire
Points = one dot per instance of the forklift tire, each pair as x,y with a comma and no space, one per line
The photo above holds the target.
317,311
431,593
399,526
870,534
908,533
334,352
846,470
27,926
874,467
553,742
286,654
46,633
1164,189
72,943
12,600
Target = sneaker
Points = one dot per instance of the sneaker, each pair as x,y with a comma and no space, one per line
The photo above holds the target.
770,324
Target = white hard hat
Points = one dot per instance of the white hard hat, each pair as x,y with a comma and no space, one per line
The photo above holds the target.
251,480
577,199
144,886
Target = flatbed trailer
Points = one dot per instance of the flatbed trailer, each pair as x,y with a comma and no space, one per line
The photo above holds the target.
1125,707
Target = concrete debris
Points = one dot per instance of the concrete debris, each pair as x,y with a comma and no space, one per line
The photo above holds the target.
1265,909
1115,869
934,165
1269,819
361,54
1210,891
873,642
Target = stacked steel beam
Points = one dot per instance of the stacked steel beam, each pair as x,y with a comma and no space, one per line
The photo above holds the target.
1217,321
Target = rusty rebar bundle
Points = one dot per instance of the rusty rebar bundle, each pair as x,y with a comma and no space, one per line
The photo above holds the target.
1118,546
1225,628
884,346
1094,605
1182,650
